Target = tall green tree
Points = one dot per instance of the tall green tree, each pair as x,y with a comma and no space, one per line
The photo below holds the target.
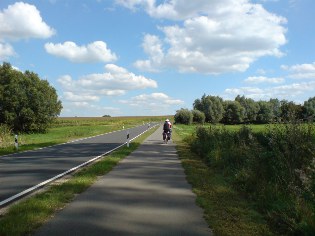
198,117
27,103
276,108
234,112
197,105
211,106
290,111
309,107
265,113
251,108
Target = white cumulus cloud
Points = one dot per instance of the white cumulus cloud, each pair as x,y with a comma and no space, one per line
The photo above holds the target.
115,81
212,37
154,103
157,103
85,109
116,78
70,96
6,50
152,45
22,20
263,79
250,92
93,52
301,71
289,92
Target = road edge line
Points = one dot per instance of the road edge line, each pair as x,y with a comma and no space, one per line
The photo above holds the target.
42,184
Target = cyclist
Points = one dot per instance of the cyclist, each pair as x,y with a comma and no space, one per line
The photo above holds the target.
167,130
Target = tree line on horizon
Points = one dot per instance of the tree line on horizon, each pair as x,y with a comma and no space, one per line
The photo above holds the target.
213,109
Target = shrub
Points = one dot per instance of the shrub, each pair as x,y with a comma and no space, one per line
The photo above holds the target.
198,117
183,116
275,168
292,151
234,112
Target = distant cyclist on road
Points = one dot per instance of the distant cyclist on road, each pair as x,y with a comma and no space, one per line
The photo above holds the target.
167,130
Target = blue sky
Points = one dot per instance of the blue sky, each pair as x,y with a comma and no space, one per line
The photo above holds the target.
151,57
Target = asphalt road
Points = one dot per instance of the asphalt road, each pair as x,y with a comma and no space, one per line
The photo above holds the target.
21,171
145,194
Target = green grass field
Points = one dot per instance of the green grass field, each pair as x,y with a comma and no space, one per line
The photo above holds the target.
185,130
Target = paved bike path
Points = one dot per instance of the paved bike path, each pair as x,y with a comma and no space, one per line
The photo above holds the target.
145,194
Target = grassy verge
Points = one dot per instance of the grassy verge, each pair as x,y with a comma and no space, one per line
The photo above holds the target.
26,216
226,212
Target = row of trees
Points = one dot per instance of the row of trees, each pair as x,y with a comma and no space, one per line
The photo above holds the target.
27,103
214,109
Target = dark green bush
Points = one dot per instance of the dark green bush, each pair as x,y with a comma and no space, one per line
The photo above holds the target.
198,117
276,169
183,116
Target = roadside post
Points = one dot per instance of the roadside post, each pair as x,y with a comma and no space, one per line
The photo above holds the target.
16,142
128,138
